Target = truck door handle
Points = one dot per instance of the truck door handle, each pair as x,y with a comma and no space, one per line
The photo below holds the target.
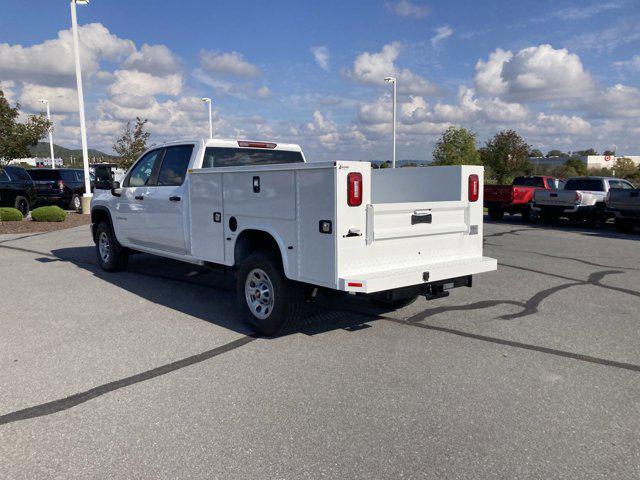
174,199
421,216
139,197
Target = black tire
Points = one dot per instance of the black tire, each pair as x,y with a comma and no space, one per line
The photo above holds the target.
287,296
549,218
116,257
22,204
396,304
597,218
75,203
496,213
624,225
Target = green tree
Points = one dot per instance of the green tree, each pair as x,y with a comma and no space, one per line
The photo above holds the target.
456,146
609,152
586,153
16,137
506,155
575,165
556,153
536,152
625,168
133,141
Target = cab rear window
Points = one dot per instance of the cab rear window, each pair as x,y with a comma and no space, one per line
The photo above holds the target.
585,184
238,157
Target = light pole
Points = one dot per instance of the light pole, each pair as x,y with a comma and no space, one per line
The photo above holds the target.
46,102
208,101
392,80
86,198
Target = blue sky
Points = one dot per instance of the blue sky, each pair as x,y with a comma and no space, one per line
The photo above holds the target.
563,74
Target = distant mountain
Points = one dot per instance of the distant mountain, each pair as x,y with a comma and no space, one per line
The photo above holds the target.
42,150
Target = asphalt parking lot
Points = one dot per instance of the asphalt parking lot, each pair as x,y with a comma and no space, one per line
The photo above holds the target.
532,373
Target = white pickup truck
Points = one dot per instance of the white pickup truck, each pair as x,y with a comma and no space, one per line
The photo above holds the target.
288,227
583,198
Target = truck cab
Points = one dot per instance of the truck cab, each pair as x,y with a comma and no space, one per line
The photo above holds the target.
287,227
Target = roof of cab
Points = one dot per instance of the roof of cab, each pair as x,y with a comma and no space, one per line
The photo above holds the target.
230,143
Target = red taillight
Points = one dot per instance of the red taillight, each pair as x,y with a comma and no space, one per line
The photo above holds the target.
60,185
578,197
474,188
242,143
354,189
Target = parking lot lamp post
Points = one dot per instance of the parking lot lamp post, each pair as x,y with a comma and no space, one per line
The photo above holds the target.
86,198
46,102
208,101
392,81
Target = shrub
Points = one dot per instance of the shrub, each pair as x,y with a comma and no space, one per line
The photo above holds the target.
10,214
48,214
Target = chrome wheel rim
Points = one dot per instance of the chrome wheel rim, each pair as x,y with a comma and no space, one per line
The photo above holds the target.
258,291
104,247
76,203
22,206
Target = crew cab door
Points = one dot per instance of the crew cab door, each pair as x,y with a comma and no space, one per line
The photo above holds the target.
164,201
129,218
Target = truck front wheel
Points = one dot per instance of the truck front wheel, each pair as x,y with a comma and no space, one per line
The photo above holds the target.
269,301
112,257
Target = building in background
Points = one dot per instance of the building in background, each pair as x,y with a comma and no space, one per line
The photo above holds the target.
590,161
37,162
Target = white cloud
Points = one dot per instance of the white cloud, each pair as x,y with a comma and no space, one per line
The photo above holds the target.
372,68
586,11
404,8
616,101
51,62
532,74
132,82
499,111
442,33
231,63
61,99
488,77
244,91
633,63
321,56
557,125
467,107
153,59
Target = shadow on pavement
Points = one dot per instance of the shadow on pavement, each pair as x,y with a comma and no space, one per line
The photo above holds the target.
208,294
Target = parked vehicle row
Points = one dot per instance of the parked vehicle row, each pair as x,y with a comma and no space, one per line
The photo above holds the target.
518,197
26,189
590,199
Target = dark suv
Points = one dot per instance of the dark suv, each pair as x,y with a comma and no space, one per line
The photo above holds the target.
16,189
60,186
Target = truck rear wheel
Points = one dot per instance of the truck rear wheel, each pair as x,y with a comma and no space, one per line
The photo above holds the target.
496,213
112,257
269,301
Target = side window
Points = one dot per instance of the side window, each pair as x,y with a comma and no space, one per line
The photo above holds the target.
4,176
68,176
174,165
79,176
141,172
626,185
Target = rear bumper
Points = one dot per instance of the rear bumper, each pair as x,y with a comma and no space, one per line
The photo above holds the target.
560,209
417,275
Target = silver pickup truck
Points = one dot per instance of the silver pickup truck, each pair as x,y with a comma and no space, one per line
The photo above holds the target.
583,198
624,203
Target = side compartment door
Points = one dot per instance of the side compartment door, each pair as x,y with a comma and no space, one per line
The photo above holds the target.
129,218
165,201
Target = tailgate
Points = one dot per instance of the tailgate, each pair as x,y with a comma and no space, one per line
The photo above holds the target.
555,197
498,193
432,230
46,186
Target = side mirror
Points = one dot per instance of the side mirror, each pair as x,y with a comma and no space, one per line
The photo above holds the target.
116,190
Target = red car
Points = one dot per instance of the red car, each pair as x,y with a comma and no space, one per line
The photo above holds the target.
517,198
